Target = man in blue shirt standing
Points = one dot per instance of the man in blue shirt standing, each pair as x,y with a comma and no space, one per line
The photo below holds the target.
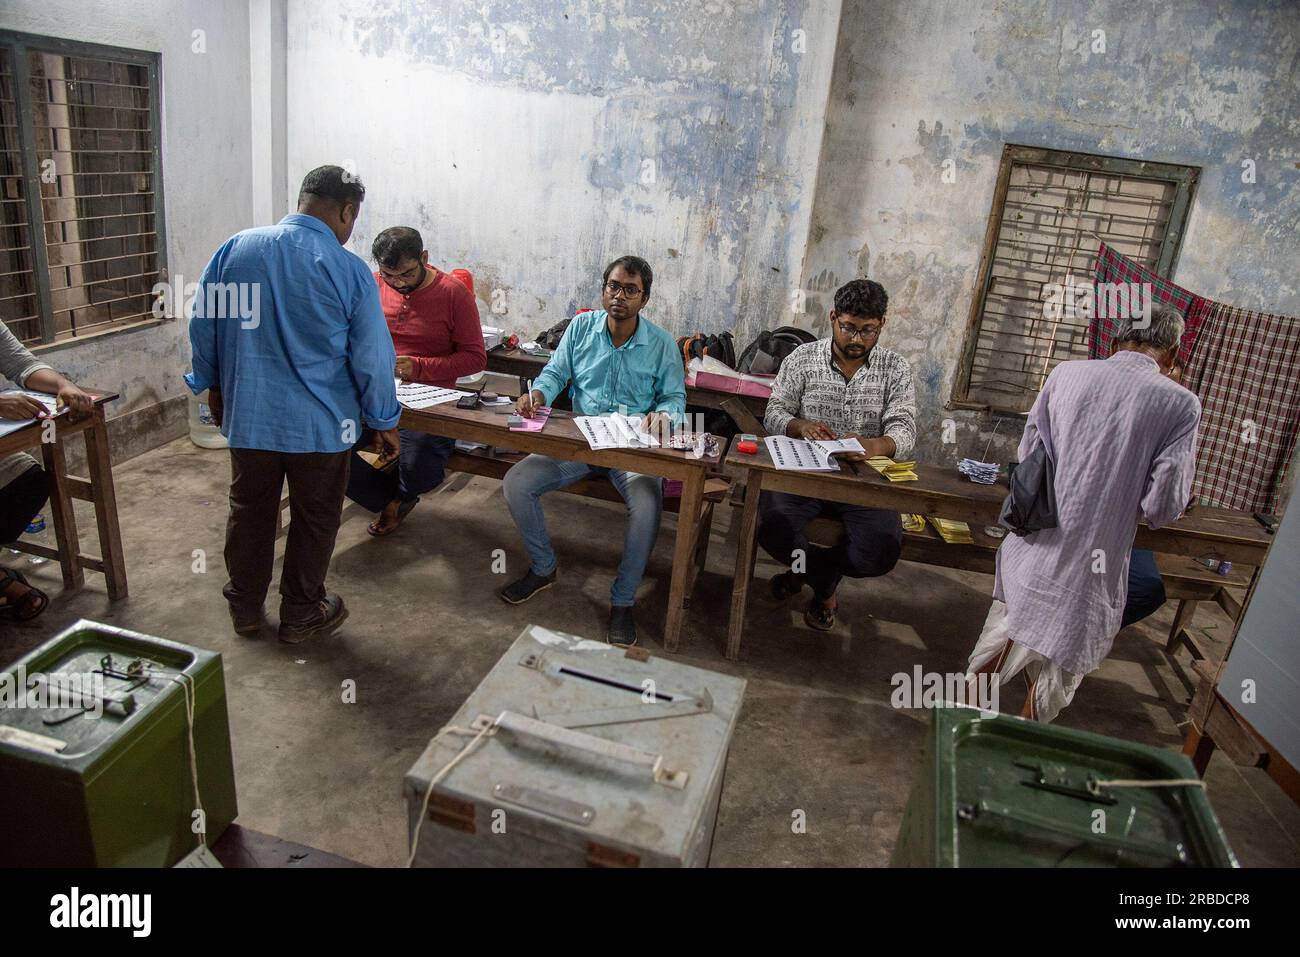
289,338
618,361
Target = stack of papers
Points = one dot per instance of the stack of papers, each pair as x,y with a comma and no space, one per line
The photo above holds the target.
913,522
416,396
894,471
954,533
615,431
986,473
801,455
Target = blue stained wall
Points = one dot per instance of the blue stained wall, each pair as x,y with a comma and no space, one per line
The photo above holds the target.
1206,84
534,142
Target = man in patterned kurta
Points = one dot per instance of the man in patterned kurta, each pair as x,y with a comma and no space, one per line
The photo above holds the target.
847,386
1122,437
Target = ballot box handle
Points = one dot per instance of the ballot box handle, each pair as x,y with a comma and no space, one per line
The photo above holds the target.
554,734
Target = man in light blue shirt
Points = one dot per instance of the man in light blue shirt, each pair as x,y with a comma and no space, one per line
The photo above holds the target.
290,341
618,361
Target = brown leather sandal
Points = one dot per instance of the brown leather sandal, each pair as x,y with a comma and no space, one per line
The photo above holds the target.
22,601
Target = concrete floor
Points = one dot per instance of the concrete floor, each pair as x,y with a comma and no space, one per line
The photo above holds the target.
817,731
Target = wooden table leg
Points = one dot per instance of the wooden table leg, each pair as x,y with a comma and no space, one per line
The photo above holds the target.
1182,619
688,522
101,484
65,519
701,550
745,545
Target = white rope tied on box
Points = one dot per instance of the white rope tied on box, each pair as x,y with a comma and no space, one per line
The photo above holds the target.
191,694
479,737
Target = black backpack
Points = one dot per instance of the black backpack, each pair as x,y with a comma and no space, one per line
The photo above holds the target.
765,354
698,346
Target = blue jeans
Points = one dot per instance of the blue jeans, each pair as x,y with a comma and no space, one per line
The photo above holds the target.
1146,590
528,481
421,467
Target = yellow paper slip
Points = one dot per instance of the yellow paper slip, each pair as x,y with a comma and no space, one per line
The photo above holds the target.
953,532
894,471
913,522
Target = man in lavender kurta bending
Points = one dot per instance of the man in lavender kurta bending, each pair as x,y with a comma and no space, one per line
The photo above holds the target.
1122,437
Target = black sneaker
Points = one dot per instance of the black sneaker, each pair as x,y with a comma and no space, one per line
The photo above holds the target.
246,624
332,614
518,592
622,629
786,585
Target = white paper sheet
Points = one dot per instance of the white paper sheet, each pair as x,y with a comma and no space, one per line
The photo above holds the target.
416,396
799,455
840,445
615,432
50,402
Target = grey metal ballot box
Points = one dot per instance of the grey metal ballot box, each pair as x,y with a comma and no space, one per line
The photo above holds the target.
594,755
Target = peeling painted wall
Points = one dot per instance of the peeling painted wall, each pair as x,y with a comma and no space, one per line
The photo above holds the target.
206,175
533,142
1206,84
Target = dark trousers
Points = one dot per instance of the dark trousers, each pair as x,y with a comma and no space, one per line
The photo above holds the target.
874,538
1146,589
20,500
421,467
316,484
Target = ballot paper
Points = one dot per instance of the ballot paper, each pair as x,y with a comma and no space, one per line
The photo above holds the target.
913,522
894,471
951,531
799,455
986,473
535,424
413,395
615,431
50,402
840,445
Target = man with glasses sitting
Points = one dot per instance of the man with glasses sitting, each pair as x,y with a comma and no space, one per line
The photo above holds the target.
618,361
847,386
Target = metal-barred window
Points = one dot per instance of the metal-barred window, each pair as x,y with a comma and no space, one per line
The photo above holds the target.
1051,211
81,232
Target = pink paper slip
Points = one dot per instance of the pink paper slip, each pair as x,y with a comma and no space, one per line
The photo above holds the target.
536,422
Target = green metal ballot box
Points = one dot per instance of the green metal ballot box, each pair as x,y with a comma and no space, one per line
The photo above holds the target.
96,766
1000,791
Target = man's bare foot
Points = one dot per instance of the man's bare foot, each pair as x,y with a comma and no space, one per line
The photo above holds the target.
391,517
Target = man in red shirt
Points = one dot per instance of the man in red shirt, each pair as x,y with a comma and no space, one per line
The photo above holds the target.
435,327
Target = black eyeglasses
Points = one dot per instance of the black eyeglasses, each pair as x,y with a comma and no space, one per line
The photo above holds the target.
629,292
853,332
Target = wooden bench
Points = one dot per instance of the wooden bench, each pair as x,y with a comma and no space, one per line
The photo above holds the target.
926,546
495,464
1186,580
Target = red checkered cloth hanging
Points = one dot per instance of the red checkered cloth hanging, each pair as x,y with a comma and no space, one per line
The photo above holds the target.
1246,371
1113,267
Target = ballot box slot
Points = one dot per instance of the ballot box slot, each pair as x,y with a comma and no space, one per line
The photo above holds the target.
615,683
652,704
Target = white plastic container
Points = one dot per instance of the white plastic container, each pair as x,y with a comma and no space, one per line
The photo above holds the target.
203,430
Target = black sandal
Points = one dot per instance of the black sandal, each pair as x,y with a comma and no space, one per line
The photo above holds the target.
819,615
27,604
